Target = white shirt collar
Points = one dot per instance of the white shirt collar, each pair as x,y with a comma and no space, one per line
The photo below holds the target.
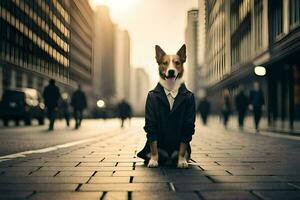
173,93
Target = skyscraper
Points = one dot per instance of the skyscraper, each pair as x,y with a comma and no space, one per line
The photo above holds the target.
81,44
104,51
193,67
122,64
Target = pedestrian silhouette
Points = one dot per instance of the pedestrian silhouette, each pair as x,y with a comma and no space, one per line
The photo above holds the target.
51,96
63,105
204,110
79,103
124,111
256,103
226,107
241,104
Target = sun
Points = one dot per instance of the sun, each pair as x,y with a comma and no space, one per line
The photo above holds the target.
115,5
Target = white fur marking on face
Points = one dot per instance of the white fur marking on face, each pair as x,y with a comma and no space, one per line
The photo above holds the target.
172,66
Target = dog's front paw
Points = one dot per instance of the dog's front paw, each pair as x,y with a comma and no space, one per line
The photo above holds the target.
182,163
152,163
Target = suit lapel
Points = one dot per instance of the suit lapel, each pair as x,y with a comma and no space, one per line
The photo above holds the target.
161,94
179,98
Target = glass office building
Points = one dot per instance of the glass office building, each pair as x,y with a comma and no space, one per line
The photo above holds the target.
35,42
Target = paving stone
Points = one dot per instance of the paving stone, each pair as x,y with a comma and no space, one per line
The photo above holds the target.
14,195
109,180
116,196
66,195
262,172
137,173
164,196
233,186
292,179
97,164
53,180
246,179
228,195
43,173
278,195
151,179
15,173
75,173
125,187
37,187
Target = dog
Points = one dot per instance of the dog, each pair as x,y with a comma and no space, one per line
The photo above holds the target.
169,114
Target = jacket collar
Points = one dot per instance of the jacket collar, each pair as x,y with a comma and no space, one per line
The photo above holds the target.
178,100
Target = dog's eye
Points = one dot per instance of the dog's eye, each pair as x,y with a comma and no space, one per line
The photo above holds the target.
165,63
177,63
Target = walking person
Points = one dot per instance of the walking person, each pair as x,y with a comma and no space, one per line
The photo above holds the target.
64,108
79,103
124,111
226,108
204,110
256,103
51,96
241,104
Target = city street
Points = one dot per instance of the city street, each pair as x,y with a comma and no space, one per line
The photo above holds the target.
19,139
99,162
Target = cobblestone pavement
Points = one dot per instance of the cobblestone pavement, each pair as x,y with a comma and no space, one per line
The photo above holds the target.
225,166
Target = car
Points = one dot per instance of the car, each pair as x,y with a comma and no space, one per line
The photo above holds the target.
22,104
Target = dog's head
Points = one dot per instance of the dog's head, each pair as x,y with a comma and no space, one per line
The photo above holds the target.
170,66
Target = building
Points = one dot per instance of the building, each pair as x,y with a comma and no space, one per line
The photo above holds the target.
243,34
140,84
81,47
35,43
201,34
191,40
104,52
81,44
122,64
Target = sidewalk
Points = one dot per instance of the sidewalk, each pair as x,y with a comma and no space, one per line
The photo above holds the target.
249,127
225,166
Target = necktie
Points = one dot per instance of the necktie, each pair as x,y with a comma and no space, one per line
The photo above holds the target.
171,100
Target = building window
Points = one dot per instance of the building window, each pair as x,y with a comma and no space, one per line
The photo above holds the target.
6,77
294,12
276,12
19,79
258,23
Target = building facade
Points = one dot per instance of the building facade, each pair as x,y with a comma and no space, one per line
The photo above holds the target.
35,43
122,64
81,44
191,40
104,52
201,35
243,34
82,47
139,84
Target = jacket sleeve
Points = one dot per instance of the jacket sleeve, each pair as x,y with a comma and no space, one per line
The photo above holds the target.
151,126
189,121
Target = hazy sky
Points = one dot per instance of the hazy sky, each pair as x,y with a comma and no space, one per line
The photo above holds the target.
151,22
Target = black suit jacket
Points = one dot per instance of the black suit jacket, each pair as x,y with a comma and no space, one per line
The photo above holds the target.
169,127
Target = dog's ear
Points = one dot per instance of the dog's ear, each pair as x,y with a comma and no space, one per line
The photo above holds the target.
159,54
182,53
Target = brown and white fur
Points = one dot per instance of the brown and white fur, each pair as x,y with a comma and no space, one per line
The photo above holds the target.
171,73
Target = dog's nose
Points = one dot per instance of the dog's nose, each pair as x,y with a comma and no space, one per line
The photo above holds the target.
171,72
